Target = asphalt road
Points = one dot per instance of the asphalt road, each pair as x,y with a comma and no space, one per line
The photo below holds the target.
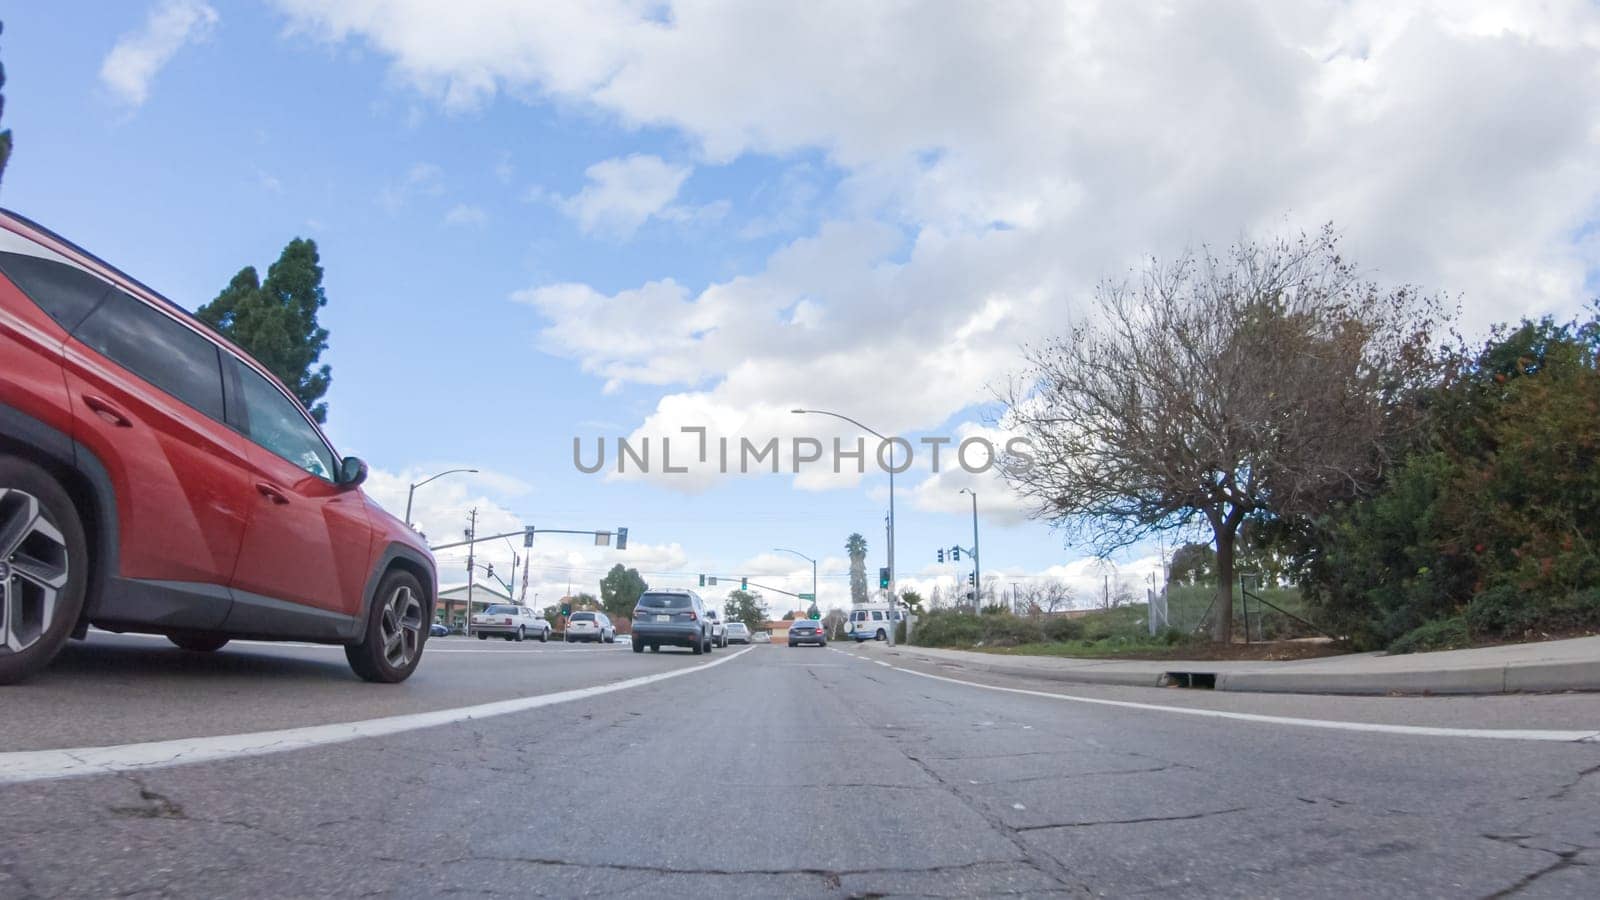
774,772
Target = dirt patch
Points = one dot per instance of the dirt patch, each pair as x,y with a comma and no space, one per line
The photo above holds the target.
1258,650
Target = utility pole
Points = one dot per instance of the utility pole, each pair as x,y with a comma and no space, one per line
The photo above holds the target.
472,536
1016,597
977,571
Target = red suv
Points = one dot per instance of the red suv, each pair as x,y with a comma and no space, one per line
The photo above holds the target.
154,478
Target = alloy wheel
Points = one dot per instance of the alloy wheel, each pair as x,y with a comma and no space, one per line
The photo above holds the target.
401,627
33,569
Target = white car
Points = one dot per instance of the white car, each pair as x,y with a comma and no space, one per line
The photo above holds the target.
719,631
738,633
510,622
590,626
762,637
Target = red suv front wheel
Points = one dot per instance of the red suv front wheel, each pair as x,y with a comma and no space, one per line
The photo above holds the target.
396,631
44,568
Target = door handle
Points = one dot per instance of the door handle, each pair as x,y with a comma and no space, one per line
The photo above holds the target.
272,493
105,410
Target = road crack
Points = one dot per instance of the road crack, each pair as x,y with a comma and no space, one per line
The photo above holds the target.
1562,792
1138,821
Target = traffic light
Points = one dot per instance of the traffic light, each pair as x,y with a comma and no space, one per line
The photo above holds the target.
527,536
744,584
941,554
883,577
702,581
622,538
972,579
955,554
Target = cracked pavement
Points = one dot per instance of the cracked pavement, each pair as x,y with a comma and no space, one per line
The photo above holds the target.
804,772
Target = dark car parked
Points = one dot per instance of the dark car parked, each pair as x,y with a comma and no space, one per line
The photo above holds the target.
673,619
807,631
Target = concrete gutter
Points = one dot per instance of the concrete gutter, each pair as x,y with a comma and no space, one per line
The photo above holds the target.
1568,665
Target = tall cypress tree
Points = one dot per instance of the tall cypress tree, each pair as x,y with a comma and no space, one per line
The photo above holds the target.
5,136
276,321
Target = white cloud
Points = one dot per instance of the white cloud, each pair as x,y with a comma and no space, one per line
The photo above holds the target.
466,214
623,193
994,160
421,180
138,56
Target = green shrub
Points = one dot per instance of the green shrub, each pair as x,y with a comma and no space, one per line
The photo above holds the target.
1060,628
1007,630
1439,634
1174,636
1578,610
1500,611
948,628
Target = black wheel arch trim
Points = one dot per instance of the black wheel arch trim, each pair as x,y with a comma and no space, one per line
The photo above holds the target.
413,559
51,446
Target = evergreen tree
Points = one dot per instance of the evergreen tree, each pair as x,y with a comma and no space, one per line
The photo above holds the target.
276,321
5,136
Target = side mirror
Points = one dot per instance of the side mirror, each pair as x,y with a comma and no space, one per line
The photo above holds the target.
352,472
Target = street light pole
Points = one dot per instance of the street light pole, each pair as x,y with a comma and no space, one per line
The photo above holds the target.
894,599
813,571
977,569
413,489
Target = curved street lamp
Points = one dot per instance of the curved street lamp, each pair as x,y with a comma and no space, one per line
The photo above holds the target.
894,602
813,571
413,489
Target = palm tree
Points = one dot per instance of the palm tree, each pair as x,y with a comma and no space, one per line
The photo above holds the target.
856,546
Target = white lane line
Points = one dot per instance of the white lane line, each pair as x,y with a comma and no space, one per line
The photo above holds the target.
41,765
1504,734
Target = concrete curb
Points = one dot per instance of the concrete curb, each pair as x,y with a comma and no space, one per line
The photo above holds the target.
1339,675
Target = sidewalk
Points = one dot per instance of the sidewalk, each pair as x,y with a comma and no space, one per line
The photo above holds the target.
1569,665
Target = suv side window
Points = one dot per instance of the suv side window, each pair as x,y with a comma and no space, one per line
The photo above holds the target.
164,352
66,293
276,424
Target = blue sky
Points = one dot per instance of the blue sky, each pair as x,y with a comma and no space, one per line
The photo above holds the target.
618,220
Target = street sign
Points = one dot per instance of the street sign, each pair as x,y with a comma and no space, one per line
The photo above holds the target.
711,580
807,596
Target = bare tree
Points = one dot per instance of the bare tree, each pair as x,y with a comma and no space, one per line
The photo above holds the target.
1057,595
1272,378
1122,593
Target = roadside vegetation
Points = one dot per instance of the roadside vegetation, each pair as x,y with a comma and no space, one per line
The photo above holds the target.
1422,492
1123,631
1487,528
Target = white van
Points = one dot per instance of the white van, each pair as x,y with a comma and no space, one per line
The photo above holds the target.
869,622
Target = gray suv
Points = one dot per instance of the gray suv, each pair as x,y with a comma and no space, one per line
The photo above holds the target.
671,618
